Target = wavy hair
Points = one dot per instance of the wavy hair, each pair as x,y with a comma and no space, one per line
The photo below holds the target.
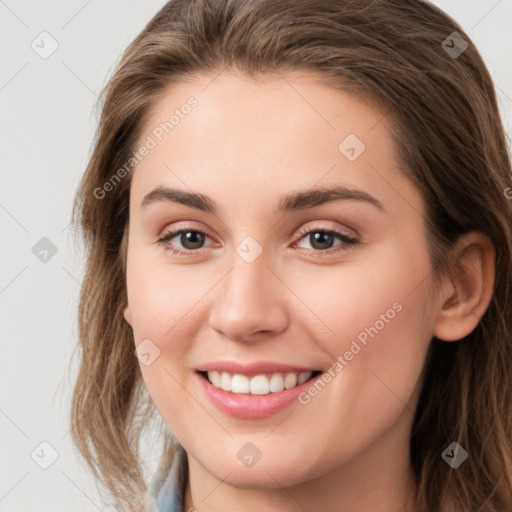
449,137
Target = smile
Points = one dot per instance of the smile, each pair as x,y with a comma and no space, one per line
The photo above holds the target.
262,384
253,390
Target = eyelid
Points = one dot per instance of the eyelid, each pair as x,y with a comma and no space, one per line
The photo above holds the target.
304,230
348,232
183,226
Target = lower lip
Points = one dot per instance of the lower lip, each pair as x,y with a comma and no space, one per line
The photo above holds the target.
252,406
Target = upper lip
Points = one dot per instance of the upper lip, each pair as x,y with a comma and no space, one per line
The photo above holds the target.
251,369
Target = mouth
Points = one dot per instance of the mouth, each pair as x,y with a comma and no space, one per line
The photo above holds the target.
261,384
254,390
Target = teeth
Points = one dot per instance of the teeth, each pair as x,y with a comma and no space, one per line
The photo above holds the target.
215,378
239,383
276,383
290,381
225,381
259,384
303,377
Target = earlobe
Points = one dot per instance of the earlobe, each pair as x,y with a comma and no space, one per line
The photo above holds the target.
468,293
127,315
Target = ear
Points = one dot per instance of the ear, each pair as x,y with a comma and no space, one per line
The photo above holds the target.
127,315
467,295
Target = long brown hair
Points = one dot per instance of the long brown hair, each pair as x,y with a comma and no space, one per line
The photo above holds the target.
449,136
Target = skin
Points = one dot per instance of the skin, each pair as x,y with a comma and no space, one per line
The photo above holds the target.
247,143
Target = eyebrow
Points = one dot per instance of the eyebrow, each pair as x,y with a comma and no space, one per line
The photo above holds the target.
294,201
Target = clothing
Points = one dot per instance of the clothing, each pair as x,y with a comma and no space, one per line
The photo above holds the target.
166,491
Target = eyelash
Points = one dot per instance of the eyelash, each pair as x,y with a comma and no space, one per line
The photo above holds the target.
348,241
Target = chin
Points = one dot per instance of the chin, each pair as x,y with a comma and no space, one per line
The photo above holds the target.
273,473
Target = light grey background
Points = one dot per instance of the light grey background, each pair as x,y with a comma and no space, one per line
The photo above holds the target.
48,118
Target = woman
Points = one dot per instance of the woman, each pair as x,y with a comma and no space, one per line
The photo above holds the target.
299,242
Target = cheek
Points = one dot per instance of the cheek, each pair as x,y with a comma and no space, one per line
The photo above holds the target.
382,334
384,297
161,301
164,300
377,320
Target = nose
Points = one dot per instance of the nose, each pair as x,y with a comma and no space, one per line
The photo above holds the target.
250,302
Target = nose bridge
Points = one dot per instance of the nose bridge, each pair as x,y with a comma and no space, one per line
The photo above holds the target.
247,300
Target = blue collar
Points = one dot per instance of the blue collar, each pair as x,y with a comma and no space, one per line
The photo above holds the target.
167,489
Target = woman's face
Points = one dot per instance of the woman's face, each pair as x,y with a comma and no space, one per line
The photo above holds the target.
352,299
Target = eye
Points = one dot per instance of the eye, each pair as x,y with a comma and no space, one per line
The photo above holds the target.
322,240
191,240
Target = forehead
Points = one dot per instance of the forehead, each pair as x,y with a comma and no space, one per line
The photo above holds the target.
232,134
295,101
